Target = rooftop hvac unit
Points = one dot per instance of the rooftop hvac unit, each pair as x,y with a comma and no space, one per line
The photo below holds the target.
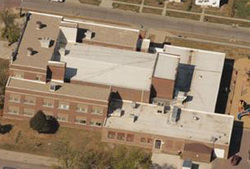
176,114
133,105
52,87
117,113
45,42
29,51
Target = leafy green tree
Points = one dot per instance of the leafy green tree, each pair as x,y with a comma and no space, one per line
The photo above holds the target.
4,64
10,31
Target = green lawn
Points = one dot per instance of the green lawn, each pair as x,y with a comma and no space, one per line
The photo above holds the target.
242,9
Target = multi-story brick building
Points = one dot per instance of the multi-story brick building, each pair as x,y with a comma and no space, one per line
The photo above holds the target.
88,75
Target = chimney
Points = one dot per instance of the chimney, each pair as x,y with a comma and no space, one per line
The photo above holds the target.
56,71
145,45
29,51
45,42
88,35
39,25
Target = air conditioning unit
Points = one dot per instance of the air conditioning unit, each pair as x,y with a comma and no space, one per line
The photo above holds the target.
117,113
52,87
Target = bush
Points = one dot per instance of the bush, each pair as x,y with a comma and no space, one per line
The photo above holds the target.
44,124
10,31
4,65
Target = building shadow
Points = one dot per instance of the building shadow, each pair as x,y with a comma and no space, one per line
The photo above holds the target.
223,2
235,138
195,166
224,89
70,73
6,128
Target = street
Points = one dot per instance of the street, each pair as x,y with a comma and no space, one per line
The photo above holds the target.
18,165
140,20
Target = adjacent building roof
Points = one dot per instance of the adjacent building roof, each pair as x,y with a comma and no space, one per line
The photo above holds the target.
109,34
49,29
206,77
65,89
192,125
212,3
113,67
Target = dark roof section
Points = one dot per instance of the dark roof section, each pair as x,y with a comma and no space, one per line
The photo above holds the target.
184,77
198,148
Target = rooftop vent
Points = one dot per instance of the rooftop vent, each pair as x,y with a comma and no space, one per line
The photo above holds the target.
196,118
117,113
45,42
133,105
62,51
39,25
29,51
52,87
88,35
176,114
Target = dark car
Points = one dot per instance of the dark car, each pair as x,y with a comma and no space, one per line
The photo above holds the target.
235,160
8,168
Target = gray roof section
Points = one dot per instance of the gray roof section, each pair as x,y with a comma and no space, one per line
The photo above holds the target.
206,76
113,67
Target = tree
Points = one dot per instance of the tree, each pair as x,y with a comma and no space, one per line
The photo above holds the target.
44,124
10,31
4,64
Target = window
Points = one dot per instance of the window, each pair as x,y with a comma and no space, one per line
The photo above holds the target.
143,140
111,135
13,110
62,117
63,105
19,74
96,122
157,144
28,112
14,98
81,108
29,100
39,77
97,110
80,120
121,136
48,103
130,137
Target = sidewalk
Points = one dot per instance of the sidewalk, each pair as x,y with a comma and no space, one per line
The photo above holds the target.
27,158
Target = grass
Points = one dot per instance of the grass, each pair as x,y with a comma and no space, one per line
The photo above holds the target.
182,15
154,3
91,2
28,139
130,1
126,7
152,11
227,21
186,5
242,9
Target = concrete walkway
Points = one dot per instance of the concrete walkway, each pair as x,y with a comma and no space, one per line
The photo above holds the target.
27,158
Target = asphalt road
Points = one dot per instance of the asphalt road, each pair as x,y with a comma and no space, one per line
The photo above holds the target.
18,165
147,21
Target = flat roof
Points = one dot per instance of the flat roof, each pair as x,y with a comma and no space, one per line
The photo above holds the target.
109,34
207,126
208,67
31,37
112,67
166,66
66,89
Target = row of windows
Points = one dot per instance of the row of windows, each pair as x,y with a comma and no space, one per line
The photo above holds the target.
129,137
21,76
121,136
60,117
50,103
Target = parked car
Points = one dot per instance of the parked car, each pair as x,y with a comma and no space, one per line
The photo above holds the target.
235,160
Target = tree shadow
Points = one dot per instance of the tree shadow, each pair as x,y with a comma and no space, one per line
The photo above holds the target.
53,124
6,128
